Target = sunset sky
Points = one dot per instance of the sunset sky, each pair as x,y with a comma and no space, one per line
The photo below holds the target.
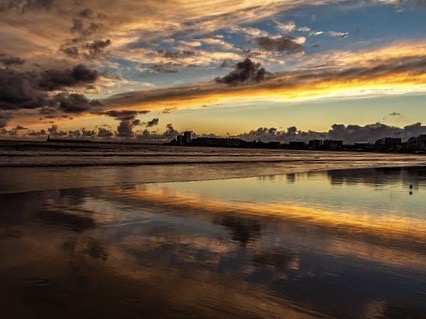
80,64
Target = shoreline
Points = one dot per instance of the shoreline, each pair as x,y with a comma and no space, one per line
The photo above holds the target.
170,173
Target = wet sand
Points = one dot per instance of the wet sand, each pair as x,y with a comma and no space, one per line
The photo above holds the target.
30,166
219,248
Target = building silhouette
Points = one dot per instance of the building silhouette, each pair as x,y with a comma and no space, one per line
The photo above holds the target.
388,144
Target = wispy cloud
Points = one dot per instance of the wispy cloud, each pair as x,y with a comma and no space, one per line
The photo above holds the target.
366,73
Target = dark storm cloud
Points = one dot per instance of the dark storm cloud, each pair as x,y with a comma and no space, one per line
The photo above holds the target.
273,134
125,128
71,51
170,132
10,61
31,90
87,133
350,134
86,13
153,122
124,115
356,133
245,72
87,22
85,29
85,26
104,133
20,90
164,68
37,133
79,75
55,131
284,44
96,47
23,6
75,103
86,50
127,121
4,118
176,54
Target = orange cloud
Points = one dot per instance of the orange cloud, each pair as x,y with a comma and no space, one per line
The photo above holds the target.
399,75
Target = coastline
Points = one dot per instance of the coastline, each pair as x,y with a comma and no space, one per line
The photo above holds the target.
43,178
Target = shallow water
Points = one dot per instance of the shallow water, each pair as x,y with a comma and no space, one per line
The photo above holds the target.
334,244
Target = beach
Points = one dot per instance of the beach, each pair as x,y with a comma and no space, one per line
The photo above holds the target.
212,233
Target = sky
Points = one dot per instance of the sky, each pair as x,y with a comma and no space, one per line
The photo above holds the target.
130,67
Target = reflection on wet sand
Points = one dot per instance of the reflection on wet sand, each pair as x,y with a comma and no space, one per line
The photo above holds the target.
154,252
390,227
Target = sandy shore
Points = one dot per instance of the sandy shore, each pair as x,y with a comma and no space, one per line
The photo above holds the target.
56,172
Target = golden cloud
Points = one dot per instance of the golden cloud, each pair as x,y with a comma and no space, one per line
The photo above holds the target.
390,70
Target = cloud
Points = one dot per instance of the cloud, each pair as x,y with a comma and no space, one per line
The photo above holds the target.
392,70
335,34
164,68
88,50
125,128
287,27
215,42
4,119
249,31
104,133
56,132
285,44
393,114
111,36
47,90
26,25
170,132
23,5
304,29
78,76
9,61
169,110
350,134
176,54
245,72
36,133
153,122
20,90
124,115
95,48
75,103
127,121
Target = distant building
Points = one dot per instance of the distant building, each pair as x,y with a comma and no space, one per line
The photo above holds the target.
211,141
186,137
421,143
179,139
364,146
388,144
333,145
315,144
297,145
411,144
